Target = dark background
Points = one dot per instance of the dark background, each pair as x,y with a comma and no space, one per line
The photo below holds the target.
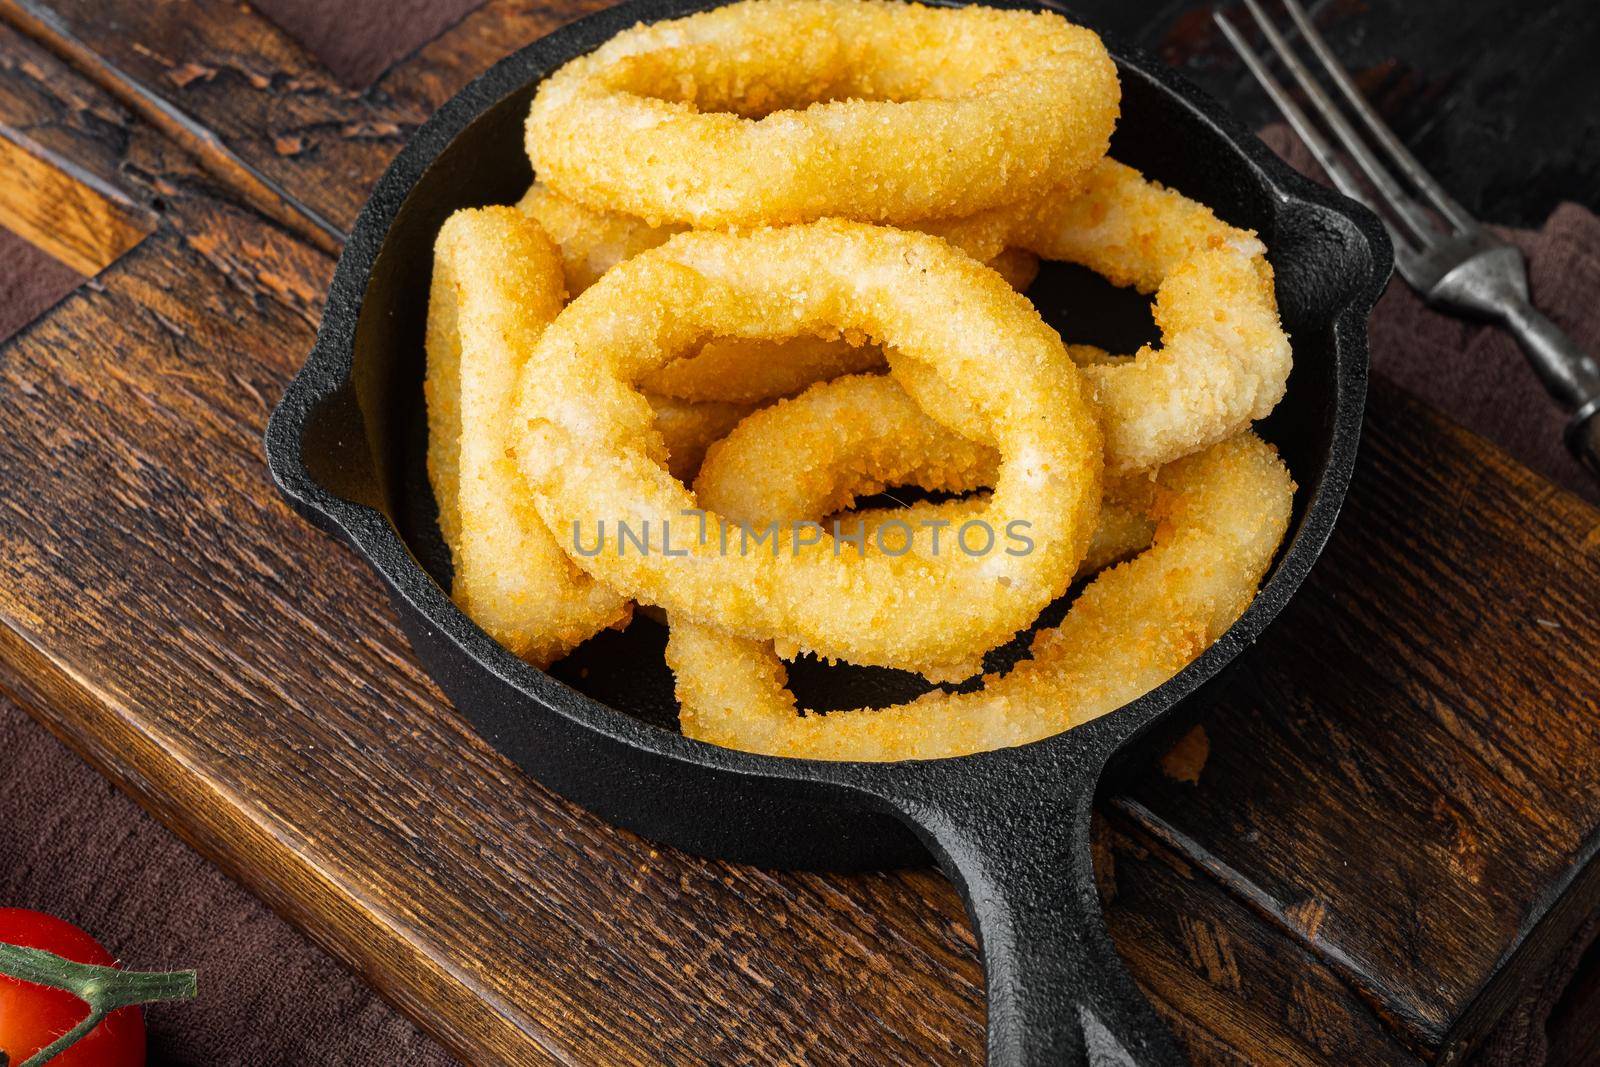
1499,99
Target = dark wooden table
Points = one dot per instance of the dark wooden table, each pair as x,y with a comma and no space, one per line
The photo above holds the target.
1383,834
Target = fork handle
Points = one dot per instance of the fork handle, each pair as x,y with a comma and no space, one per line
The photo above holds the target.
1583,436
1570,374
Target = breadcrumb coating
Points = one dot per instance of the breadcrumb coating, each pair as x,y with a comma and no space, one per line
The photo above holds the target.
1220,516
835,442
689,427
592,240
587,445
1223,360
782,111
728,370
497,283
749,370
815,455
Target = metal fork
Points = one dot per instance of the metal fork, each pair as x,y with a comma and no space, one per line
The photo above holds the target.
1452,261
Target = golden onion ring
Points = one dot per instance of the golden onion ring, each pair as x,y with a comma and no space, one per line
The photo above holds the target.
781,111
496,286
836,442
689,427
593,240
746,371
726,370
1224,359
588,448
1018,266
856,436
1220,516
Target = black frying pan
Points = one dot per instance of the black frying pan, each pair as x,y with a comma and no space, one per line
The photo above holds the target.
1011,828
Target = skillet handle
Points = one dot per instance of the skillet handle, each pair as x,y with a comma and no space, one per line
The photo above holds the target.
318,449
1014,838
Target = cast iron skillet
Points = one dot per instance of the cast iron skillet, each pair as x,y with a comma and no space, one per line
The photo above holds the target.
1009,827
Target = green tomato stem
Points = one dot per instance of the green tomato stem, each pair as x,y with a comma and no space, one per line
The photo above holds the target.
103,989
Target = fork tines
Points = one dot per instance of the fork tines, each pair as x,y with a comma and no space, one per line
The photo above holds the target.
1408,220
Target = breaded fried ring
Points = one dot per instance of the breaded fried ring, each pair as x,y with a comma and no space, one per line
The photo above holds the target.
840,440
1220,517
781,111
726,370
592,240
747,371
496,286
587,446
689,427
1018,266
836,442
1224,359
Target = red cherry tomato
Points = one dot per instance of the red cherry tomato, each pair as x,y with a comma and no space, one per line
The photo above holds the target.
32,1016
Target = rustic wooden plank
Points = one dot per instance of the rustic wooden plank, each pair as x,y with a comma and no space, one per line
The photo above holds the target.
1419,862
85,224
196,640
213,155
172,619
276,107
267,103
67,118
1234,990
201,677
63,193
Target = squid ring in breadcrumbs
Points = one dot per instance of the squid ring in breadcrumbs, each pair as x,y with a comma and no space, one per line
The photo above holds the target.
589,451
1219,517
770,112
1224,359
726,370
496,286
813,456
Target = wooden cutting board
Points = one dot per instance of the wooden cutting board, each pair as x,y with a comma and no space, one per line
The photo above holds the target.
1381,836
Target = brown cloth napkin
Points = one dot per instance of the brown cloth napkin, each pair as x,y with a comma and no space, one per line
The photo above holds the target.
1522,1037
74,846
31,282
358,41
1476,373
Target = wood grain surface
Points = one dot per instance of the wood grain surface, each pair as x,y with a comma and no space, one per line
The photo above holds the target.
80,222
1385,828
